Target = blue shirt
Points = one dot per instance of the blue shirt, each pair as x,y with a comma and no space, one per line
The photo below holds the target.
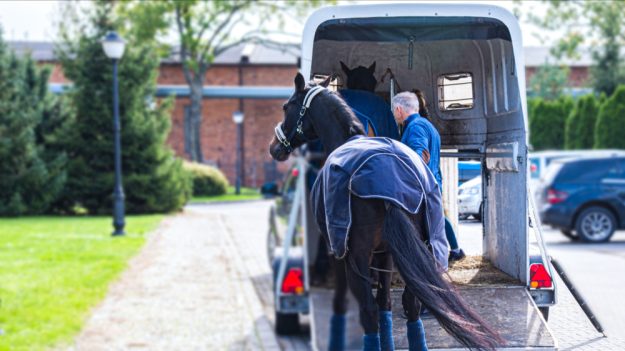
419,134
372,109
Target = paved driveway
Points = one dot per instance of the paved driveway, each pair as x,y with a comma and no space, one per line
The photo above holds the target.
203,282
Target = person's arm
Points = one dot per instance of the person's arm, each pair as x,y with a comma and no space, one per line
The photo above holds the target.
417,140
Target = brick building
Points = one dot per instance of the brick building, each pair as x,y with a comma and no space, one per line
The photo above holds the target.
266,76
579,74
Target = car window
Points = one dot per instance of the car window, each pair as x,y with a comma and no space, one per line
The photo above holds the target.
466,174
588,171
552,171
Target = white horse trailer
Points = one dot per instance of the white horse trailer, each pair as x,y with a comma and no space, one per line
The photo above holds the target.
468,60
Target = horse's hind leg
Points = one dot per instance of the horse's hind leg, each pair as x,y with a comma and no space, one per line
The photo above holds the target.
383,297
360,285
339,307
414,325
365,235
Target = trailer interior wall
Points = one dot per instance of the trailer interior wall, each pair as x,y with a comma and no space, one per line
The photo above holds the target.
495,123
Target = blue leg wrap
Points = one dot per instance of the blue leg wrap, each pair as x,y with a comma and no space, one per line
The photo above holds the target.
416,336
386,331
371,342
337,332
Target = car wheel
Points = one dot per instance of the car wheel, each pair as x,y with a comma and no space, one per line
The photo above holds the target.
463,217
595,224
287,323
570,234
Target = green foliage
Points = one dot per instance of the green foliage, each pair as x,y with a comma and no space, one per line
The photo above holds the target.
604,24
610,127
154,180
55,270
547,123
549,81
580,125
207,180
32,168
609,70
206,29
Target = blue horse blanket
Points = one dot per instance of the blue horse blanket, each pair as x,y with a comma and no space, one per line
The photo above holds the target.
379,168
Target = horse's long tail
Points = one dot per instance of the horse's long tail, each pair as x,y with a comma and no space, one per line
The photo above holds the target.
421,275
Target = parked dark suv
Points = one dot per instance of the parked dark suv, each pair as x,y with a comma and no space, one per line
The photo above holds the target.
585,198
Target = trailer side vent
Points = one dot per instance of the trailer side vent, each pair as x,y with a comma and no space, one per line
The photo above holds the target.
455,91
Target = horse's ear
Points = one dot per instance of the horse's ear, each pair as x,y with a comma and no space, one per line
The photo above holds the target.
345,68
327,81
300,83
372,67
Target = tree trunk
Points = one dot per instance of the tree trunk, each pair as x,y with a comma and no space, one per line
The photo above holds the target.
196,121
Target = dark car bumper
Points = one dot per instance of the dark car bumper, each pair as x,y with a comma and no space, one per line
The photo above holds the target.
557,216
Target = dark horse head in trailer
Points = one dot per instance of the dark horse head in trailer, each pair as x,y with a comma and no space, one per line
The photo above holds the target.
361,77
314,112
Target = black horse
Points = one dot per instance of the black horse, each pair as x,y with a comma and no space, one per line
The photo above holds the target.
377,225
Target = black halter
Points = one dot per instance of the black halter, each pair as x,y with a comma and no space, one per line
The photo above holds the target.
282,138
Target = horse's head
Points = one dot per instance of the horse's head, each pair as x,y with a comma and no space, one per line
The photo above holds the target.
297,127
360,78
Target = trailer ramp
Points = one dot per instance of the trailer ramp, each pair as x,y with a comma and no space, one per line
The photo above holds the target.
508,308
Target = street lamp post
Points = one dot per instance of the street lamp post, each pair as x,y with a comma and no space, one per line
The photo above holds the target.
113,46
238,118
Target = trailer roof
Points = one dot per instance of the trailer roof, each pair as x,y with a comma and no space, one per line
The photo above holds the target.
400,29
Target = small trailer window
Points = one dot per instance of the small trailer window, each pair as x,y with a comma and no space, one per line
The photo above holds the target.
335,83
455,91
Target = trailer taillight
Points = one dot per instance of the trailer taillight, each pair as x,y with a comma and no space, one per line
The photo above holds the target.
293,282
539,277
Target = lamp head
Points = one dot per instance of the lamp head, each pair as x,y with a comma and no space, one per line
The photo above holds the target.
238,117
113,45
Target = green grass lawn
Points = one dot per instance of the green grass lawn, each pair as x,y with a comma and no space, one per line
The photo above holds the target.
54,269
246,194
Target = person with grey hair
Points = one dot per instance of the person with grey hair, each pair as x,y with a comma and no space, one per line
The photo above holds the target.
410,111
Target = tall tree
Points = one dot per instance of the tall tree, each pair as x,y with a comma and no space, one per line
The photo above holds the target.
549,81
599,25
205,29
31,171
154,180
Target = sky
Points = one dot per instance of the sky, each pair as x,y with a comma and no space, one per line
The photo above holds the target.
38,20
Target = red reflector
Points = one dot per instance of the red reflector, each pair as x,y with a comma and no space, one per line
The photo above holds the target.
539,277
555,196
293,283
533,168
295,172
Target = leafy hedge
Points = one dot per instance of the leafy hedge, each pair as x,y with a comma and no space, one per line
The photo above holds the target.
207,180
590,122
610,127
580,125
547,123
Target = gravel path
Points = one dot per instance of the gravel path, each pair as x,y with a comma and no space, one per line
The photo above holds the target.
188,289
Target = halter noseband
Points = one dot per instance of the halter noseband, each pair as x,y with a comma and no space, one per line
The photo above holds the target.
282,138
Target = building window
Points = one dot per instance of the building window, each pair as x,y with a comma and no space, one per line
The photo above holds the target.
335,84
455,91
